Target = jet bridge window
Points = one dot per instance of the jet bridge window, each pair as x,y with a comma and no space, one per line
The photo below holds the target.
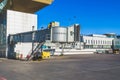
71,33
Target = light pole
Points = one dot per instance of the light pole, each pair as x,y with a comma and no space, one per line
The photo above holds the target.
33,35
62,49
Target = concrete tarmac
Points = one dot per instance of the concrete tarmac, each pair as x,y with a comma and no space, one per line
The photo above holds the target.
73,67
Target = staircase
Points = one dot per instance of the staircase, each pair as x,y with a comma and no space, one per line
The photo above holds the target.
35,51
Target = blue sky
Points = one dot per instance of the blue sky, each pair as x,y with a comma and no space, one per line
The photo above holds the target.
94,16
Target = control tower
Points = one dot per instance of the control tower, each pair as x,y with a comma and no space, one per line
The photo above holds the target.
18,16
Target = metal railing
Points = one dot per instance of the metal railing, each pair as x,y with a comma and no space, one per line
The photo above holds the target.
34,52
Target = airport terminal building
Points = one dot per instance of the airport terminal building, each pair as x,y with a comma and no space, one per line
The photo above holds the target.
17,16
19,35
96,41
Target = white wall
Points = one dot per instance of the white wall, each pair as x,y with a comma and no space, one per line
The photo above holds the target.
74,51
23,48
18,22
70,33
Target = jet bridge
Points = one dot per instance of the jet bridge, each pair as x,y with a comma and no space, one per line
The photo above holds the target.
36,36
35,39
29,43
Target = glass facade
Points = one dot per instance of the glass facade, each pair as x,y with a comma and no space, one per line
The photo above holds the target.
3,34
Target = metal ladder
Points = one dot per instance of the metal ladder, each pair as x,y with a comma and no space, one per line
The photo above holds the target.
34,52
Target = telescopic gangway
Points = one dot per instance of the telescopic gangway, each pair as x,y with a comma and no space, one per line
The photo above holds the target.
38,36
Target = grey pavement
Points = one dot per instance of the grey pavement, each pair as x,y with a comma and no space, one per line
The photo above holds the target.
73,67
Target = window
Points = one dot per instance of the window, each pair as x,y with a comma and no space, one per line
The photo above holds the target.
71,33
91,42
96,41
88,41
108,42
103,42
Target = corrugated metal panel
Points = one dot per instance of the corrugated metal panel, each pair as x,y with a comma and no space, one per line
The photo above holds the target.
18,22
59,34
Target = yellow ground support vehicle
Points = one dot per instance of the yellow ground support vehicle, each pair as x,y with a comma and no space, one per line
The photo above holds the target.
45,54
41,55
